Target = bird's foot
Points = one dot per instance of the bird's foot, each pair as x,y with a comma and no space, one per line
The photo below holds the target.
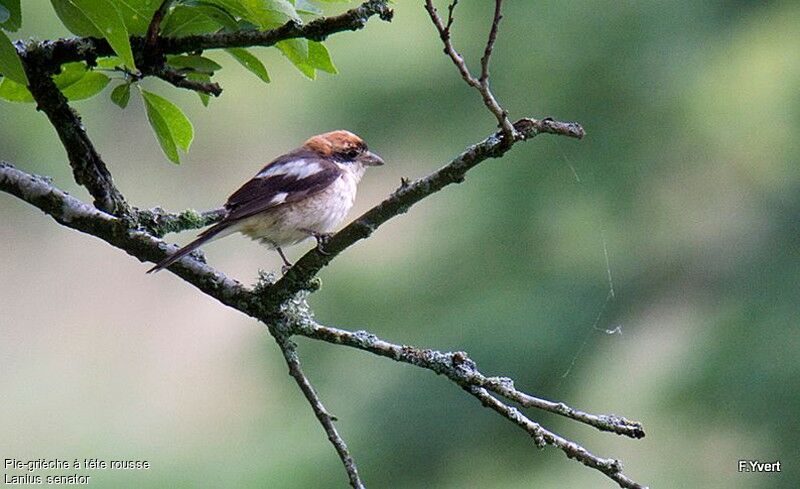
322,240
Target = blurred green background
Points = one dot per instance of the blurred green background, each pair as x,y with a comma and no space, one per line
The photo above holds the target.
688,177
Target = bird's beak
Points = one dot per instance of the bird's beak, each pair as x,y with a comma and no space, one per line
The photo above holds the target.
371,159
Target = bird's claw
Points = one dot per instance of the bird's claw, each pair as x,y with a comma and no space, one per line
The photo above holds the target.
322,240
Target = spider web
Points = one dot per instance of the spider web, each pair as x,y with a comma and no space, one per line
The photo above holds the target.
610,296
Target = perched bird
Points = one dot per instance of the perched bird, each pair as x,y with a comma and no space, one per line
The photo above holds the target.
304,193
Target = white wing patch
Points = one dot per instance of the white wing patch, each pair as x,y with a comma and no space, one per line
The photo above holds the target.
298,169
279,198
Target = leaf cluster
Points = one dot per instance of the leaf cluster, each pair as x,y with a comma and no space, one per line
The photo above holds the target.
117,21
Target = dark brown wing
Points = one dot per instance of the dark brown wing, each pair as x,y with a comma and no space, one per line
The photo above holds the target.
288,178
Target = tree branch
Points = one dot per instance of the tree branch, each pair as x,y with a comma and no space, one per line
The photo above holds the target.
55,53
159,222
609,466
71,212
88,168
289,350
297,278
457,366
156,62
151,38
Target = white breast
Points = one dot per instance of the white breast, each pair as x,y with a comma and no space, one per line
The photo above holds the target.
319,214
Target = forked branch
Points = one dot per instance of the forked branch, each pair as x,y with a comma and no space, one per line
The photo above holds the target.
481,83
542,437
88,168
155,63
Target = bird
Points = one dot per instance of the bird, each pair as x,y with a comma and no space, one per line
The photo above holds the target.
304,193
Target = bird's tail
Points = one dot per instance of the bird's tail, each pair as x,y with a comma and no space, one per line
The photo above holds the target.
203,238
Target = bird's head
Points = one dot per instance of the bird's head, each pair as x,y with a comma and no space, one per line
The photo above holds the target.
343,147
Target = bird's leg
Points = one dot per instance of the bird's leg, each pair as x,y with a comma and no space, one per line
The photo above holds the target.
322,240
286,263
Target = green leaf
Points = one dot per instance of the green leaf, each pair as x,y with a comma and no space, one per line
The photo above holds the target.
163,134
201,77
233,7
14,92
186,21
121,95
109,63
10,64
269,13
10,15
171,126
137,14
320,58
194,62
74,20
249,61
77,82
70,74
306,7
284,7
81,16
88,86
296,51
222,11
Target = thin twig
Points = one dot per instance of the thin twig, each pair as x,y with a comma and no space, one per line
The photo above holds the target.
289,350
444,34
609,466
487,52
604,422
180,80
450,10
482,83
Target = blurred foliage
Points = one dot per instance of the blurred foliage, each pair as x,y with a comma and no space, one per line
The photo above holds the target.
688,177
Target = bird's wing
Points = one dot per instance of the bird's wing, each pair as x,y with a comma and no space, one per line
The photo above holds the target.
289,178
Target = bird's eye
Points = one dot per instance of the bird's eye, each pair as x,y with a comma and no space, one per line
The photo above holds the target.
352,153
